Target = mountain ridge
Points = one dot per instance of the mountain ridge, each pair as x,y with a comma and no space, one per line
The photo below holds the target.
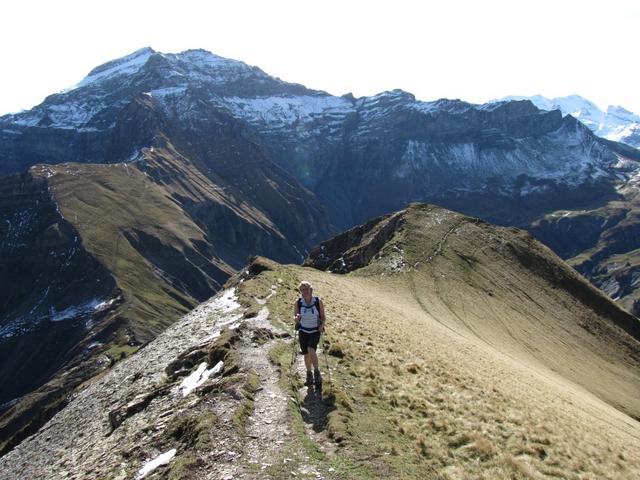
615,123
508,379
179,166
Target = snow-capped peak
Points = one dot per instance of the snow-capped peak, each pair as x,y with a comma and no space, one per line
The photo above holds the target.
622,114
205,58
199,66
122,66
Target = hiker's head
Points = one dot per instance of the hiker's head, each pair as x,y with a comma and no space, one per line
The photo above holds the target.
305,288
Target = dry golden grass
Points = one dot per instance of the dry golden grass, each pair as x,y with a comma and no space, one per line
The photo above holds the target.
468,409
476,359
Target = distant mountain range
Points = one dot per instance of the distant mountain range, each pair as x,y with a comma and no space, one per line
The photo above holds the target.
616,123
132,197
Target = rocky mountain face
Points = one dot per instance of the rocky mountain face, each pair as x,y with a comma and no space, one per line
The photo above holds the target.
525,367
616,123
364,157
53,288
132,196
361,157
135,219
508,161
601,243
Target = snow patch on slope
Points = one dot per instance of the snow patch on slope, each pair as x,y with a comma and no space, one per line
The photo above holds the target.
287,110
151,465
29,322
198,377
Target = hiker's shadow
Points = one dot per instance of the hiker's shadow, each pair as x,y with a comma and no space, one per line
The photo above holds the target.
315,409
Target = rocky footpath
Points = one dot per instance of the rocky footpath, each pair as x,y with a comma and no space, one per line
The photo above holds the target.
201,399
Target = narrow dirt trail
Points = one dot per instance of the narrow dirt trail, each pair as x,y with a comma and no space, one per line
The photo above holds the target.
269,430
269,426
313,406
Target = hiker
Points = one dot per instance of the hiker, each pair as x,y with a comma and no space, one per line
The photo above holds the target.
309,321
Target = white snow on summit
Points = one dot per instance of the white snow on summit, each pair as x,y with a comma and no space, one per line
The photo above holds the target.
123,66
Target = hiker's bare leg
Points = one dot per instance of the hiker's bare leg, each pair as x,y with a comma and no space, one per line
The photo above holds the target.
307,359
313,359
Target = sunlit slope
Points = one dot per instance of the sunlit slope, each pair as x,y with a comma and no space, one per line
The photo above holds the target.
131,226
429,391
507,295
146,221
467,350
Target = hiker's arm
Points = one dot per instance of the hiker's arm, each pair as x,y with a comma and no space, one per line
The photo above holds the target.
322,317
296,313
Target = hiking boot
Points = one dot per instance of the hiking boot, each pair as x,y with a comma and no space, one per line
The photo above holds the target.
309,381
317,378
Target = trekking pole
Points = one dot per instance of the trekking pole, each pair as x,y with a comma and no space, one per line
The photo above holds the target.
294,352
326,359
294,357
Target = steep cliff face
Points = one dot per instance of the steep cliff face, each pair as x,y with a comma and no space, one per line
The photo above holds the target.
365,157
54,291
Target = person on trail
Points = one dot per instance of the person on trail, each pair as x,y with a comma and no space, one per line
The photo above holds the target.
309,321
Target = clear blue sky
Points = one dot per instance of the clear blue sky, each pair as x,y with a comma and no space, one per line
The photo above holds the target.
473,50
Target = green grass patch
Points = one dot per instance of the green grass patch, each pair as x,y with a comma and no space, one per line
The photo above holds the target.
275,284
193,431
121,242
182,467
280,354
118,352
245,409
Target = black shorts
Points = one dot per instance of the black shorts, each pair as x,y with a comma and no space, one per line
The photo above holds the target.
308,340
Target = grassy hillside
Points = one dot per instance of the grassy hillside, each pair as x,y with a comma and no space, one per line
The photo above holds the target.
457,350
141,221
123,220
465,350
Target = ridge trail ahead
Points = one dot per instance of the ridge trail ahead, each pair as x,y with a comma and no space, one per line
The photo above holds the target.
235,423
492,360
